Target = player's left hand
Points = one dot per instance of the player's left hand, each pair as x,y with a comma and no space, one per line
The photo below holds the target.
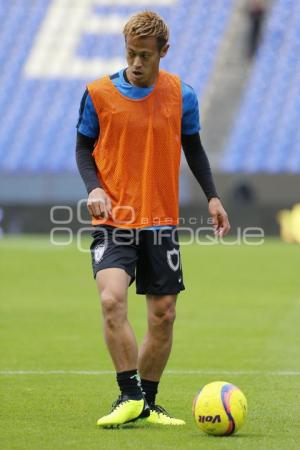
221,224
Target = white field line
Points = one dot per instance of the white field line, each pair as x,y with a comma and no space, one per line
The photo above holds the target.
277,373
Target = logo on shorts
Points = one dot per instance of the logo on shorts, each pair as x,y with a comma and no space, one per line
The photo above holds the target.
173,259
98,252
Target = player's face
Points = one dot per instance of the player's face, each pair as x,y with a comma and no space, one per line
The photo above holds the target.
143,57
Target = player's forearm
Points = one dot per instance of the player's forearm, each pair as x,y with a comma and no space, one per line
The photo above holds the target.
85,162
199,164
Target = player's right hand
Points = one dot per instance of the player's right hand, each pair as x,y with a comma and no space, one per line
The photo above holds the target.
99,204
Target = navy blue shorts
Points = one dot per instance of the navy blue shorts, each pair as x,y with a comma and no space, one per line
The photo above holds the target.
150,257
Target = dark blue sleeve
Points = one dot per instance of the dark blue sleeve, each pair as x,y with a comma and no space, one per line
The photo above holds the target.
190,110
88,123
198,163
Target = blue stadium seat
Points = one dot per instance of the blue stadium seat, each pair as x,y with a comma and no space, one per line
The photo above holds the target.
266,134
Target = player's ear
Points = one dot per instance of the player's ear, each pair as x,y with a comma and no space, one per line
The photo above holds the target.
164,50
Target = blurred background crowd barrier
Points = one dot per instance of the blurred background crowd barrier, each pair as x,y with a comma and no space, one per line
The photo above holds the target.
240,56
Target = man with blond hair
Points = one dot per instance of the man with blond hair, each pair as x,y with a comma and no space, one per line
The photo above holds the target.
131,128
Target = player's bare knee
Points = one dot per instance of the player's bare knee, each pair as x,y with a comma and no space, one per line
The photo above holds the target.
162,319
113,308
169,316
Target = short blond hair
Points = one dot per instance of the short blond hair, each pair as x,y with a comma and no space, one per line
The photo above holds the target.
146,24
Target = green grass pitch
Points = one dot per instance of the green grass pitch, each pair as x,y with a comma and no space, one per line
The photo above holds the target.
237,321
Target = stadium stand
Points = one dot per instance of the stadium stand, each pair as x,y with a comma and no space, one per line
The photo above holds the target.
39,102
266,135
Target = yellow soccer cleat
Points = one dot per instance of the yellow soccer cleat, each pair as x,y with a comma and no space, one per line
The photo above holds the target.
160,416
124,410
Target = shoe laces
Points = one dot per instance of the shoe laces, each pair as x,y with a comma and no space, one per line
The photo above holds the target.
118,402
160,410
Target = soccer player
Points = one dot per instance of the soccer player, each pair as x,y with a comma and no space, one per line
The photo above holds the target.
131,128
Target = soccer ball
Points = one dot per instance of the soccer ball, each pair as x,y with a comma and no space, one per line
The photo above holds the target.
220,408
